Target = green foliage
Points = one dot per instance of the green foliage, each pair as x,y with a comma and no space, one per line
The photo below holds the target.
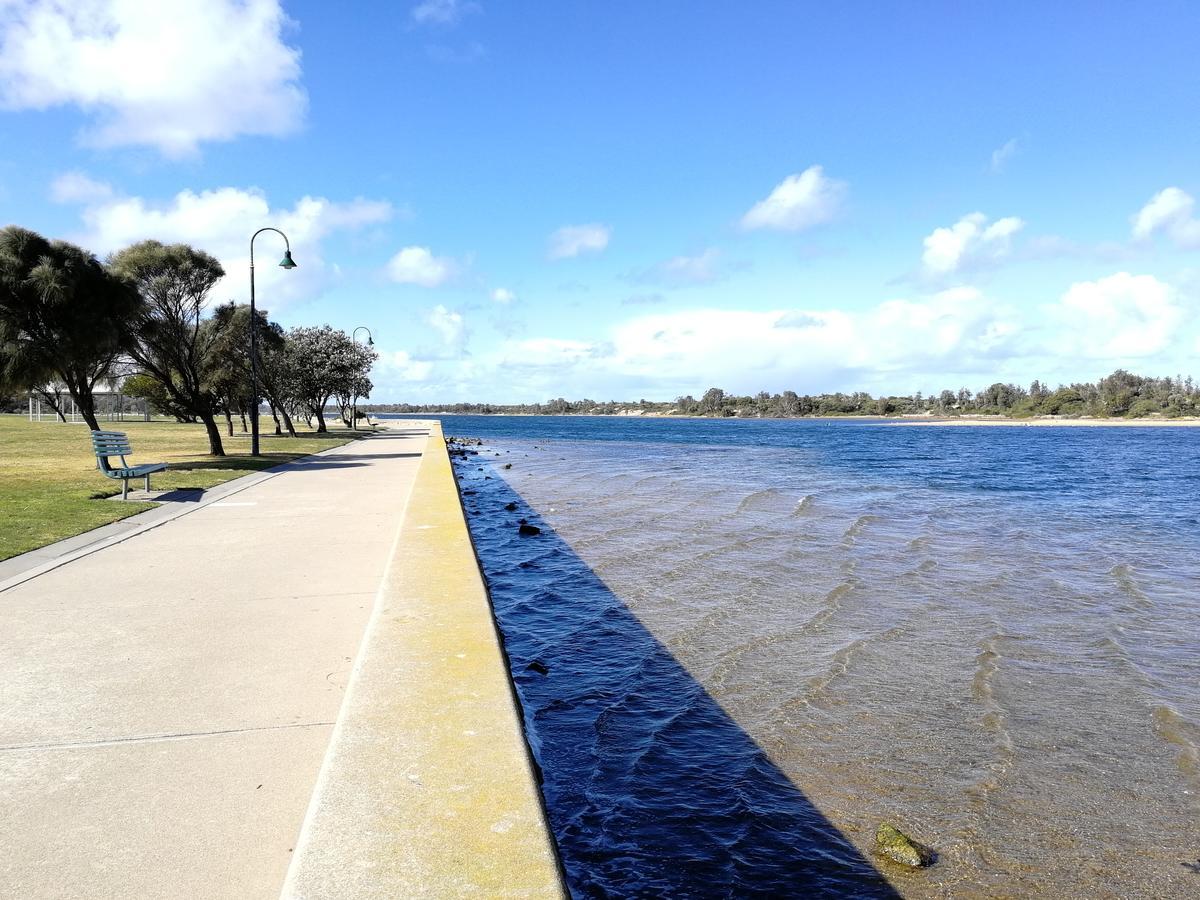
63,316
171,342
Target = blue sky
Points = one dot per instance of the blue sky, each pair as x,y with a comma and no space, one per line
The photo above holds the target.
625,200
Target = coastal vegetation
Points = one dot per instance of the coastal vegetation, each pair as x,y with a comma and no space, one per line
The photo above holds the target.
1119,395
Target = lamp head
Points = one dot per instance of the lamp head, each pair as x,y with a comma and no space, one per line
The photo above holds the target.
287,262
370,343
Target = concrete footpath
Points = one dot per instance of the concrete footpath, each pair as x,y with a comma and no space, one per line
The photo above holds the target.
169,701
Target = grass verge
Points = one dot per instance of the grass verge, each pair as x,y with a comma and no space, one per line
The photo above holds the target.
50,488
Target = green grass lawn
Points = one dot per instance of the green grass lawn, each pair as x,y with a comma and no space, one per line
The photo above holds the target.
51,489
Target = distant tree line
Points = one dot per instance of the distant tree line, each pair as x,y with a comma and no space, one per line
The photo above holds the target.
1121,394
142,322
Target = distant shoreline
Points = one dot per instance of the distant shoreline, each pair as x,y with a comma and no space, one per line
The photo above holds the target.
1033,421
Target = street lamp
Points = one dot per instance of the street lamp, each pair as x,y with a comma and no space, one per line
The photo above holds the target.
354,396
286,263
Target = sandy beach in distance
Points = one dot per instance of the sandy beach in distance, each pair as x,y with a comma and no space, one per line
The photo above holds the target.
1048,421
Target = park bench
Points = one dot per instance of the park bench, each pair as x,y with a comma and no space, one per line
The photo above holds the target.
116,443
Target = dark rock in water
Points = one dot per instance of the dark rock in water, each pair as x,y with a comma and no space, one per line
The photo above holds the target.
526,528
508,465
900,848
537,666
522,521
468,492
511,507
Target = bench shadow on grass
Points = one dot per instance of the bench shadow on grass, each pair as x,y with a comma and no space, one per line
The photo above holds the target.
652,790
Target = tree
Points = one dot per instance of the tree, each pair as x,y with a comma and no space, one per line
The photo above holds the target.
63,317
231,361
170,343
712,401
324,361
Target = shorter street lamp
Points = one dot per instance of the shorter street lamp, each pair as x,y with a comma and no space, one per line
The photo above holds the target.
354,396
286,263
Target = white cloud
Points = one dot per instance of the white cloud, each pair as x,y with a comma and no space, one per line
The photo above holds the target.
443,12
76,187
1169,212
685,270
170,74
1002,155
448,324
503,295
417,265
547,352
664,354
400,365
572,240
969,242
798,202
1117,318
222,221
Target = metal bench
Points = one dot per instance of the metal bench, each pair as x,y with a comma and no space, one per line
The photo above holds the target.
116,443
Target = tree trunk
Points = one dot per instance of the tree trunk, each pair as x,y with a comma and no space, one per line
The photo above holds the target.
86,404
214,435
228,422
321,429
275,416
287,422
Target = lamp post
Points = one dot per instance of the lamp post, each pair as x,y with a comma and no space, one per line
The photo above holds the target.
353,395
286,263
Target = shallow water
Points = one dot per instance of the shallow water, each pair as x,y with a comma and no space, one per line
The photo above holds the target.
753,641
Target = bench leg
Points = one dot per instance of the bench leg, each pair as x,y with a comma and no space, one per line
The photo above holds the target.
147,484
124,488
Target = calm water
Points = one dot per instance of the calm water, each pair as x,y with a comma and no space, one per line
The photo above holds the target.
740,645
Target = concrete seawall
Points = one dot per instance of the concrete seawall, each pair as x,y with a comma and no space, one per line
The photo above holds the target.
427,789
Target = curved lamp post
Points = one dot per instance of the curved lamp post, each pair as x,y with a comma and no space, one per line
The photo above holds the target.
354,397
286,263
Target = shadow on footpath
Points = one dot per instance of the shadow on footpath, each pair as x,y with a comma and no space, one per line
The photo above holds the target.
652,790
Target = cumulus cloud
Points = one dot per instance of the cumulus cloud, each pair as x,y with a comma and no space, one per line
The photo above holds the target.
221,222
968,243
418,265
503,296
1002,155
400,366
572,240
449,324
443,12
798,202
76,187
1169,212
680,271
666,353
1118,318
170,75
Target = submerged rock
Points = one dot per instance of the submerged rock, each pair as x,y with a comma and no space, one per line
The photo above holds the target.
900,848
526,528
508,465
537,666
511,507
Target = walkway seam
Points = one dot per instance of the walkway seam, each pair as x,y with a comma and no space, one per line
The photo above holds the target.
154,738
